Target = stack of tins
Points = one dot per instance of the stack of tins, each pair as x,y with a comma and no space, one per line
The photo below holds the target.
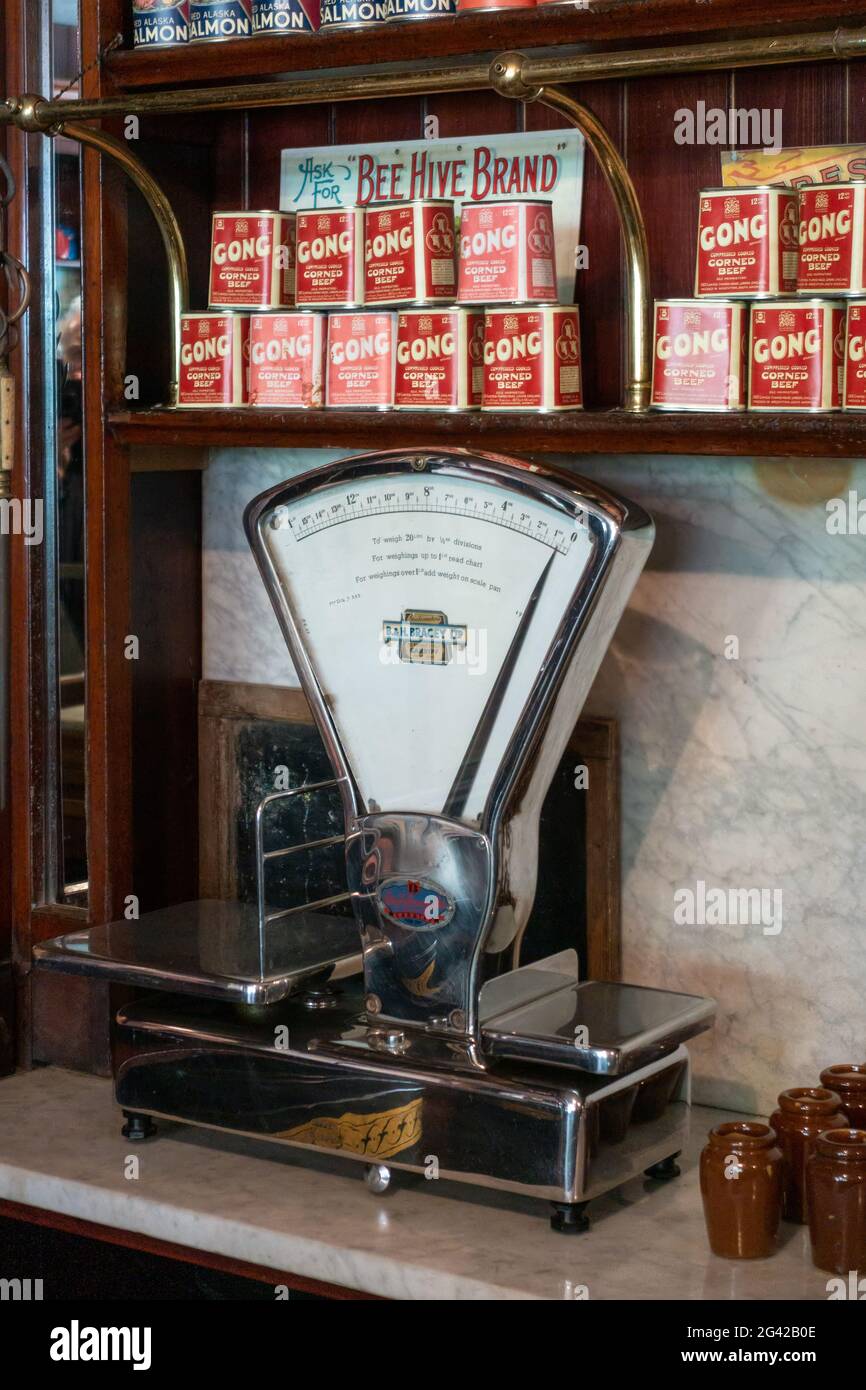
777,323
415,320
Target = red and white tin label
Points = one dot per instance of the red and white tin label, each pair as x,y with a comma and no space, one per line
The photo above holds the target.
409,253
361,360
287,360
507,254
252,260
214,359
854,396
747,242
330,258
698,358
532,359
797,356
831,239
436,369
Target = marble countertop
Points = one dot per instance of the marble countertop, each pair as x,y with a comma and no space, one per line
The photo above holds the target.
61,1150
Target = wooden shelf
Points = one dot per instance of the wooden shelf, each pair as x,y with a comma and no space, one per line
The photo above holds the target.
590,432
611,23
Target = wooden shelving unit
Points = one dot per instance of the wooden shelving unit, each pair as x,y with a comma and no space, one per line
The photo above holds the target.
624,23
589,432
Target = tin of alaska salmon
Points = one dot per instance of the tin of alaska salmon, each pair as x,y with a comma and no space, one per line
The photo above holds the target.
287,360
831,239
409,252
160,23
489,6
403,11
699,355
361,351
285,16
353,14
214,359
329,257
854,393
532,359
219,21
507,253
252,263
797,355
439,359
747,242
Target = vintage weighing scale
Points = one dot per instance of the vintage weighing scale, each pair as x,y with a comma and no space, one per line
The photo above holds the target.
446,613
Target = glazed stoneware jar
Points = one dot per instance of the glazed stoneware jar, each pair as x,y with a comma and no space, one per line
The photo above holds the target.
741,1187
848,1080
803,1114
836,1190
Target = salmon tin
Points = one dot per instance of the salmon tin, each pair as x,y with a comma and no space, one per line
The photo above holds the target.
747,242
401,11
160,23
361,351
329,256
797,355
831,239
854,384
409,252
214,359
218,21
532,359
287,360
507,253
285,16
353,14
439,359
699,355
252,260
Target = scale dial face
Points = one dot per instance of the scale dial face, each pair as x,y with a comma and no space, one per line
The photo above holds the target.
426,603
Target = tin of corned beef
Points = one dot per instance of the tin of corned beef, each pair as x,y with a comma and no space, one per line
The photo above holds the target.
831,239
160,23
360,371
409,252
353,14
747,242
699,355
401,11
285,16
507,253
532,359
797,355
217,21
854,386
329,256
287,360
439,358
252,261
214,359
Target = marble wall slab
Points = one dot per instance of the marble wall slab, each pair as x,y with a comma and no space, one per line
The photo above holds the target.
739,677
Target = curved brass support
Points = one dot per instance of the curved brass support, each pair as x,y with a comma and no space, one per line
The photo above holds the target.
159,205
507,77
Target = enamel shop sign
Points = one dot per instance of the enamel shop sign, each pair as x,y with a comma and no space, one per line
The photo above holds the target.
545,165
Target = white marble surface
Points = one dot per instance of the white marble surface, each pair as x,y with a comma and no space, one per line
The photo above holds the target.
747,773
61,1150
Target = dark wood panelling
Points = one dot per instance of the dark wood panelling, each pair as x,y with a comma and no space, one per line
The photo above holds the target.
812,100
269,133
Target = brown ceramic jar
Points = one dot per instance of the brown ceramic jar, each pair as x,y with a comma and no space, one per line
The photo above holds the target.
848,1080
741,1186
836,1190
803,1114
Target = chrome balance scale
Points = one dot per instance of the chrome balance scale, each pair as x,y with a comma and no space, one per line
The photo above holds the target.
446,613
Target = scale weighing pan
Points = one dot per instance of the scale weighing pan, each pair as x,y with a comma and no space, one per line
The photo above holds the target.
212,949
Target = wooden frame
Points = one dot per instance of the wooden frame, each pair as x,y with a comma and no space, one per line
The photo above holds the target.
225,705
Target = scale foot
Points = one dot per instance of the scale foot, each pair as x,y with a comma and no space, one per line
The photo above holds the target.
137,1126
664,1170
377,1176
569,1218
